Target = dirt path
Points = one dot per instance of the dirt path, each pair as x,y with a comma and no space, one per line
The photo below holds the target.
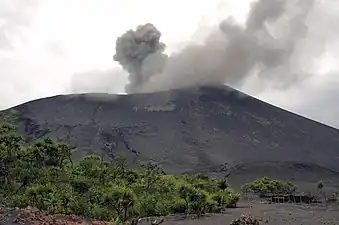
271,214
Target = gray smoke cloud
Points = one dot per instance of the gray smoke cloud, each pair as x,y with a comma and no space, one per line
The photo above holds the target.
140,53
268,45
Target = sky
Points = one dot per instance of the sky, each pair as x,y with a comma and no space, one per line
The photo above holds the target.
50,47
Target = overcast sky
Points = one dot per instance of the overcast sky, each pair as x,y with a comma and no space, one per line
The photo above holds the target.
50,47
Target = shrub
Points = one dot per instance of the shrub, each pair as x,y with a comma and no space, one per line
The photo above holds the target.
267,185
245,220
42,175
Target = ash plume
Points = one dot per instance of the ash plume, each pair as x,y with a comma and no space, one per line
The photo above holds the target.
268,45
140,53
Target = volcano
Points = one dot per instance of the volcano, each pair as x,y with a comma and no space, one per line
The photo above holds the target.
197,129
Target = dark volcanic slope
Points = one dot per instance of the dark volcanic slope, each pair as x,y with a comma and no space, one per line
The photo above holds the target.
194,129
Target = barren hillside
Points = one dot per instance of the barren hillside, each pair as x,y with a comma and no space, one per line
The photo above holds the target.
194,129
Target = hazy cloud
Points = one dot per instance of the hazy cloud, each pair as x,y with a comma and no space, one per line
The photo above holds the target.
315,98
286,52
15,15
99,81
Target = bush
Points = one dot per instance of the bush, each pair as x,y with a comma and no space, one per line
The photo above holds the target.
42,175
245,220
267,185
179,206
226,199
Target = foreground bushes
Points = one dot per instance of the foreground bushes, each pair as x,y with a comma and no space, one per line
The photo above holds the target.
42,175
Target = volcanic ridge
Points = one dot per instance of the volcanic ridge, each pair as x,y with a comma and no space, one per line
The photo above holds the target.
196,129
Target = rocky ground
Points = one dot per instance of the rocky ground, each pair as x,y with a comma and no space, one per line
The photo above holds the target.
274,214
34,217
271,214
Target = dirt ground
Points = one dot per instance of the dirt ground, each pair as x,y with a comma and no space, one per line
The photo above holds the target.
271,214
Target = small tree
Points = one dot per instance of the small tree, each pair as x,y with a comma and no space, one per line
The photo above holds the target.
222,185
121,166
199,201
152,172
10,151
120,200
186,192
320,186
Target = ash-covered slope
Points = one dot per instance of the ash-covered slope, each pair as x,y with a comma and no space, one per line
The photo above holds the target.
194,129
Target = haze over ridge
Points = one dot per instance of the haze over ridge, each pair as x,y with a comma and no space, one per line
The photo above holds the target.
305,80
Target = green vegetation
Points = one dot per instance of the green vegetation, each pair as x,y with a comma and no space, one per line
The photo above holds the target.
43,175
10,115
266,185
